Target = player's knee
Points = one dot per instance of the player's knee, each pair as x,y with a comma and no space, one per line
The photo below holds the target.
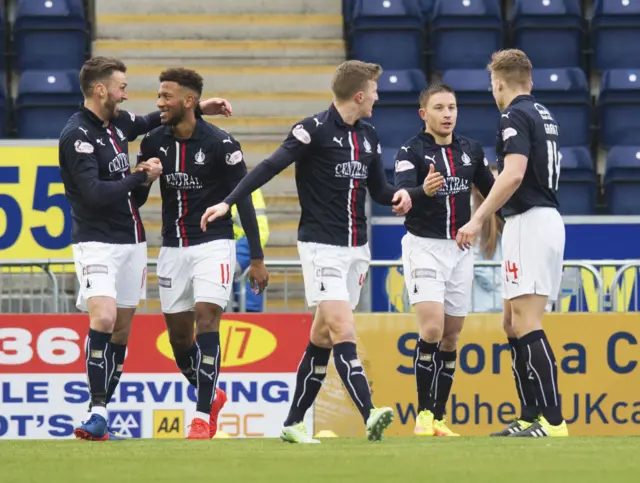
431,332
320,336
449,342
102,317
180,341
208,317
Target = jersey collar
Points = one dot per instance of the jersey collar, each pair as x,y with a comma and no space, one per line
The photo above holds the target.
92,117
429,139
523,97
335,115
197,132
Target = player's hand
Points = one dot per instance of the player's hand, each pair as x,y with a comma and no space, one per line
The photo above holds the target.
433,182
153,167
216,106
258,276
401,202
213,213
468,233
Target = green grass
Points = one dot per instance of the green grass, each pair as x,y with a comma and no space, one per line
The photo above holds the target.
460,460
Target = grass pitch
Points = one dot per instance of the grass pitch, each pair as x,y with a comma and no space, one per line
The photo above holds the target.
349,460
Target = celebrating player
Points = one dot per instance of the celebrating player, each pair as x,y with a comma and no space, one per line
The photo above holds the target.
438,275
337,157
108,238
201,164
532,241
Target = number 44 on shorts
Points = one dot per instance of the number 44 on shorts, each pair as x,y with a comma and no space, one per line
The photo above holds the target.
511,271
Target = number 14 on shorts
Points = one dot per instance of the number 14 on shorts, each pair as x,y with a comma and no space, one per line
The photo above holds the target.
511,271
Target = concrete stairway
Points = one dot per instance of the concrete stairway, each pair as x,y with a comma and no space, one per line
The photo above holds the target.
273,59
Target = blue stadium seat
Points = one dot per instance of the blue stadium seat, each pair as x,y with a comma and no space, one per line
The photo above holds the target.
538,24
3,107
464,33
46,100
389,33
2,35
395,115
619,107
615,28
578,183
622,180
347,10
478,115
565,92
50,34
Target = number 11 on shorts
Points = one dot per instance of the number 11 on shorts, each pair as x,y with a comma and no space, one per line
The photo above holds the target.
511,269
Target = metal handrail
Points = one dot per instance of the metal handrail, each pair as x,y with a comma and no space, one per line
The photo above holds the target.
588,265
616,280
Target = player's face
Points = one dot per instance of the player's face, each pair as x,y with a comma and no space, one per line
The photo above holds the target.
367,98
497,88
112,93
171,101
441,113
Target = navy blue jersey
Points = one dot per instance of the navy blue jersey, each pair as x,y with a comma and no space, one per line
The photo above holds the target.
94,165
461,163
335,165
528,128
197,173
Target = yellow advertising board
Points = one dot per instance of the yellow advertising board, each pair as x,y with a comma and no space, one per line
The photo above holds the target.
35,217
598,359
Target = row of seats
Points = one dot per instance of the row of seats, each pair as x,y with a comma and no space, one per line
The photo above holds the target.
564,91
462,34
45,101
46,34
578,184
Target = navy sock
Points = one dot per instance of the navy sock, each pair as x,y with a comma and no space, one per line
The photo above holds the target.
424,365
544,371
187,362
97,367
353,377
311,372
207,369
445,363
115,356
528,406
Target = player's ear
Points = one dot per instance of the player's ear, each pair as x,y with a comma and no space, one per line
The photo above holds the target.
422,113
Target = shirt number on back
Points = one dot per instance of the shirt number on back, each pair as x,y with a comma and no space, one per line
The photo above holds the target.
553,164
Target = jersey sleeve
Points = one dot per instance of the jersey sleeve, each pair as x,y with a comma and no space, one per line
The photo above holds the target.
141,193
300,140
236,170
405,168
133,126
482,177
515,133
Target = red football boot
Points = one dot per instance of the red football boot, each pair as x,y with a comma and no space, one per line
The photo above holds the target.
199,429
216,407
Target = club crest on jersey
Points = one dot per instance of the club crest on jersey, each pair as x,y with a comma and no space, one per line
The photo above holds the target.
233,158
367,146
120,135
199,157
301,134
82,147
466,160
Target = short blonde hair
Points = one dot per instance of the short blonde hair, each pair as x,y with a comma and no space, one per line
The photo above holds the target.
512,66
351,77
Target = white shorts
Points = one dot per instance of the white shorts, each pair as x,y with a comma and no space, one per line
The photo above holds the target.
438,271
199,273
333,273
533,252
110,270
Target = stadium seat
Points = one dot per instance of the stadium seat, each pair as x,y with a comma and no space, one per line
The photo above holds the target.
389,33
619,107
464,33
615,31
50,34
622,180
490,155
395,115
578,183
46,100
565,92
537,24
478,115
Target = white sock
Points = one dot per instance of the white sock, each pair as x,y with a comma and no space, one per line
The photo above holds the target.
203,416
100,411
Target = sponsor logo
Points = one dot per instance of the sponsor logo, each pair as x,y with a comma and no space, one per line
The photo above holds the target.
242,343
352,169
127,423
403,165
168,423
233,158
83,148
182,181
509,133
301,134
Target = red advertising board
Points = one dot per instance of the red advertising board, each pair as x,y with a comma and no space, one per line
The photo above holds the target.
250,343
